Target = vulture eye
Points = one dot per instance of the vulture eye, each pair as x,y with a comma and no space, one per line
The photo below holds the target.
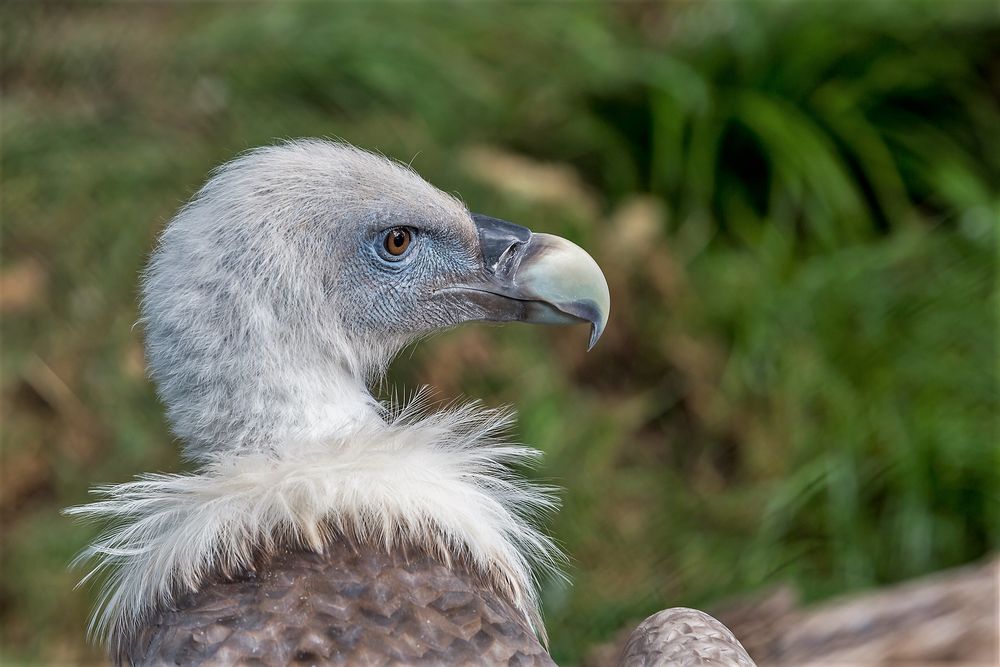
397,241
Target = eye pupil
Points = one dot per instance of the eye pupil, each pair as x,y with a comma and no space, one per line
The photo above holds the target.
397,241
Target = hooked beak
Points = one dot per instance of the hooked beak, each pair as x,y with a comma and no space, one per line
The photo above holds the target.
536,278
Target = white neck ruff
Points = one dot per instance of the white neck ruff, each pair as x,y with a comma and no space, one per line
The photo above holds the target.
443,481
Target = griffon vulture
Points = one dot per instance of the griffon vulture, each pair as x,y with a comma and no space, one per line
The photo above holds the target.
322,526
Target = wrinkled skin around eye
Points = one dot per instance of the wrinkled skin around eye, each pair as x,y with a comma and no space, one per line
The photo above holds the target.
393,298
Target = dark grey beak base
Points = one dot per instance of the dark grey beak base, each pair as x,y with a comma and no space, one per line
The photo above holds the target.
498,239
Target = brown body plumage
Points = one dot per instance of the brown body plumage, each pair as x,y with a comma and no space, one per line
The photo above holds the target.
352,604
682,637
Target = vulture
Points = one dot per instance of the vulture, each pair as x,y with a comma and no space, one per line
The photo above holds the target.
320,525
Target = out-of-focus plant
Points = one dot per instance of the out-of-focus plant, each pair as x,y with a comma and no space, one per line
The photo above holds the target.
831,122
796,206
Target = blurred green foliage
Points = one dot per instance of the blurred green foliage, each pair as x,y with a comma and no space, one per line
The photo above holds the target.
796,204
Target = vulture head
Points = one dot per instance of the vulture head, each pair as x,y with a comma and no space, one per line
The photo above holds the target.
299,271
321,525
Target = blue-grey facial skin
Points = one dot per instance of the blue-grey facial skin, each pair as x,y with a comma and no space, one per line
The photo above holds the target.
400,296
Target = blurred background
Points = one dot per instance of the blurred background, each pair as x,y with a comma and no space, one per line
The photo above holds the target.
796,205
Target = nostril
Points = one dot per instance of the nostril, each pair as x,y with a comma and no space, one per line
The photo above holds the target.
509,259
499,241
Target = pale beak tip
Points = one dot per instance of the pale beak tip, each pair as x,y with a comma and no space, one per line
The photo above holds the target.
595,335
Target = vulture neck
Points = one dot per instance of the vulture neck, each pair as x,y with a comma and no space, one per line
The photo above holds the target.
337,464
273,403
323,402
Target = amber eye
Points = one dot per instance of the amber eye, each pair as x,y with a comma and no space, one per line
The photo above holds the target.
397,240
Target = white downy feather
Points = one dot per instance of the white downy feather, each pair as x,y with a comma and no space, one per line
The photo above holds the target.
443,481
